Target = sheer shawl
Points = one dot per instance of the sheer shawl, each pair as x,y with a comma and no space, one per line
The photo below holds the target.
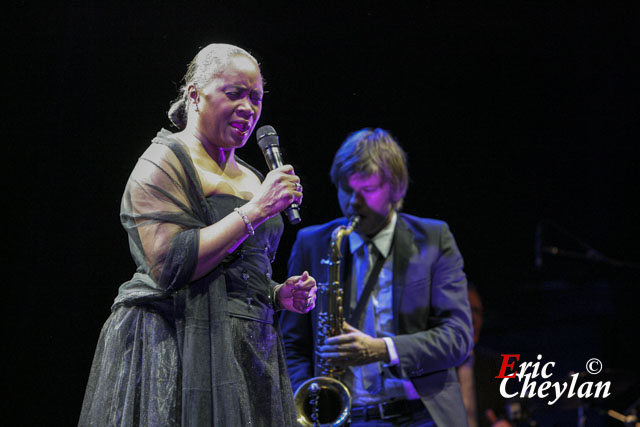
164,204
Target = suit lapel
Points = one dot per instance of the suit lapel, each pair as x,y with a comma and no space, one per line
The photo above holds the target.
402,243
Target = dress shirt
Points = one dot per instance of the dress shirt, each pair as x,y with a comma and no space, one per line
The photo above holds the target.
382,300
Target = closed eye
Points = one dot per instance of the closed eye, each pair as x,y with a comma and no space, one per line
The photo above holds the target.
256,98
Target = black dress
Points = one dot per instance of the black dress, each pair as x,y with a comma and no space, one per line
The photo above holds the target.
181,352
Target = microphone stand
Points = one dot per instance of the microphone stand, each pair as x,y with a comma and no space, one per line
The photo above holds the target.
589,254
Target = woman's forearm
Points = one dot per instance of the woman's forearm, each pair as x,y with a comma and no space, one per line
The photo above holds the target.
222,238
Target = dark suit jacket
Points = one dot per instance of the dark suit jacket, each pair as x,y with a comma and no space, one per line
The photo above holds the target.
432,317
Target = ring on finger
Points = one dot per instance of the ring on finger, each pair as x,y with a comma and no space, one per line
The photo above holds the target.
298,187
309,302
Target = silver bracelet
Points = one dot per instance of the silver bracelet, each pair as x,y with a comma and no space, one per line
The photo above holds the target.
247,223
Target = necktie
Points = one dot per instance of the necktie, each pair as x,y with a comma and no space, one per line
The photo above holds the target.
371,373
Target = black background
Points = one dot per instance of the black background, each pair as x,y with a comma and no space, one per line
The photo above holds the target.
511,113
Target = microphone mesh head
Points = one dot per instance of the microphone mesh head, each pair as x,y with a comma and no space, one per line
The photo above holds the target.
267,136
265,131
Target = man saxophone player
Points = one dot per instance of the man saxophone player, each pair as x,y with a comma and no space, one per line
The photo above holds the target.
401,345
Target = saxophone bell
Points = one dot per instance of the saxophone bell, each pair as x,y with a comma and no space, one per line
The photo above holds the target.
323,401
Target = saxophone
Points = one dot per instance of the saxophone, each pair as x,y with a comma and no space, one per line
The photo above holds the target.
324,400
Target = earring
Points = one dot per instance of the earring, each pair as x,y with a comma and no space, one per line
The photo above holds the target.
194,97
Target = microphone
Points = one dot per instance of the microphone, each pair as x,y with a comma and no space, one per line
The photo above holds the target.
537,250
268,142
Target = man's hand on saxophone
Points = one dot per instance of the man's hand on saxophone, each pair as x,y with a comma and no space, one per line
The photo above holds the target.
353,348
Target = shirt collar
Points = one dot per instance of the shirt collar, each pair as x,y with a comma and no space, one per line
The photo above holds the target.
382,240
